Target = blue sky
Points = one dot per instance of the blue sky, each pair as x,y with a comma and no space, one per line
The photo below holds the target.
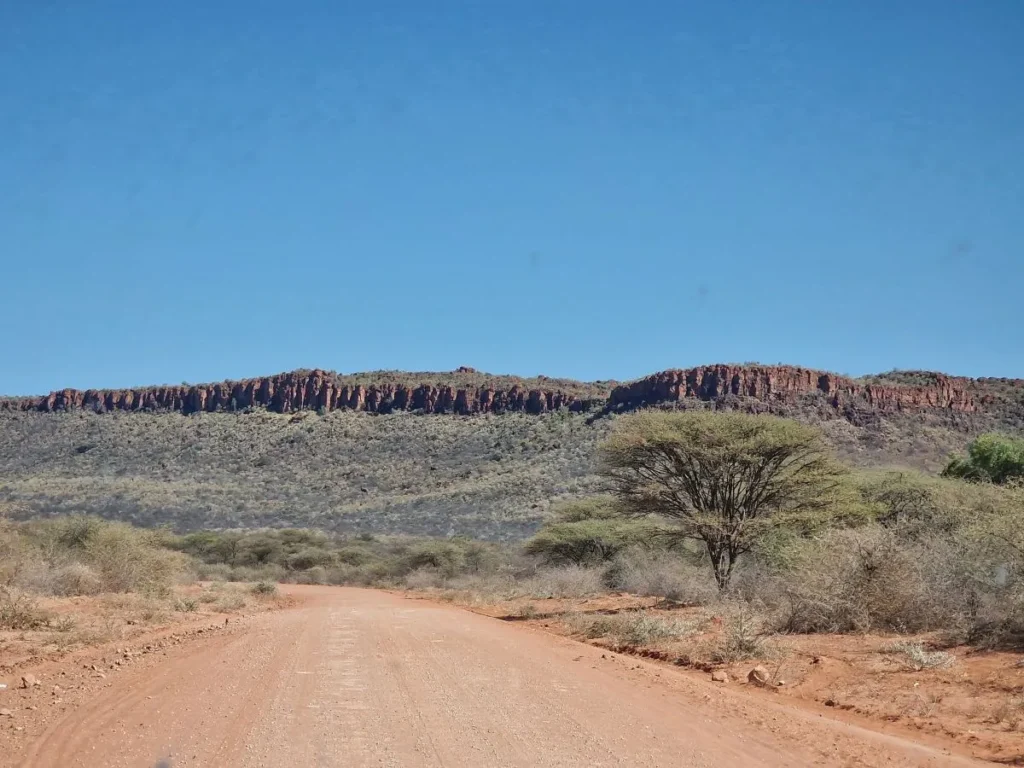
589,189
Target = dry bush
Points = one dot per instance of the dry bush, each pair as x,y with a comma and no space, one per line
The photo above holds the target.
315,575
637,628
424,578
186,605
877,578
213,572
275,573
744,636
75,579
663,574
13,552
570,581
914,656
85,556
128,559
19,611
528,611
264,589
229,603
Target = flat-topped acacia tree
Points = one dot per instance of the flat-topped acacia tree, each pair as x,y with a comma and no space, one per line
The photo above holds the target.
725,480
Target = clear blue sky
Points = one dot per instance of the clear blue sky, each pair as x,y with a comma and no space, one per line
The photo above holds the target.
601,189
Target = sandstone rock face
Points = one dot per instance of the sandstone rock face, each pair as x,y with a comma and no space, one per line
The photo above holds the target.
308,390
325,390
782,383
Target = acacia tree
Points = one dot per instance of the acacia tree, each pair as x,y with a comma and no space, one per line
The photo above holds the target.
586,531
725,480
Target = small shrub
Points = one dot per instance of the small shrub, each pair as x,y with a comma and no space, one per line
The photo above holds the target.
75,579
743,638
641,628
662,574
273,573
570,581
213,572
264,588
636,628
20,612
914,656
186,605
1010,711
528,611
315,575
129,559
423,578
588,625
229,603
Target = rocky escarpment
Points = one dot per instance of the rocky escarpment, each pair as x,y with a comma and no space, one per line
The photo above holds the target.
781,383
468,392
316,390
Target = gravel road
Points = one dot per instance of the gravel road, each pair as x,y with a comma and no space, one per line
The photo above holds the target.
364,678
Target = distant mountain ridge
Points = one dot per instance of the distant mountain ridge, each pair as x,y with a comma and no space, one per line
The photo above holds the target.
467,391
345,453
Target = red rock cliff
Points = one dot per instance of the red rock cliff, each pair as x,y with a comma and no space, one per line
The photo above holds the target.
309,390
783,383
317,389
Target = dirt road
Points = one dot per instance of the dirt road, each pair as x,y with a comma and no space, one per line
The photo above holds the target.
362,678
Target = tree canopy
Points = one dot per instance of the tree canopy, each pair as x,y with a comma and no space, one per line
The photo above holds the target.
726,480
587,531
991,458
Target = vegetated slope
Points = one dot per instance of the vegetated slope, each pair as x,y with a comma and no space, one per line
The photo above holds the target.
486,476
306,451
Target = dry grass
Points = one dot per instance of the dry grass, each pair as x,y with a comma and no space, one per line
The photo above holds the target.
913,655
632,628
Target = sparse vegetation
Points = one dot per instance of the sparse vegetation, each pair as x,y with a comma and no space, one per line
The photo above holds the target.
186,605
631,628
914,656
20,611
79,555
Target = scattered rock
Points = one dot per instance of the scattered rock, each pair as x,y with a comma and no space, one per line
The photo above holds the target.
29,681
759,676
6,712
57,690
719,676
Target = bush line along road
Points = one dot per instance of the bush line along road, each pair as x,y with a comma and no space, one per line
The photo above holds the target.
365,678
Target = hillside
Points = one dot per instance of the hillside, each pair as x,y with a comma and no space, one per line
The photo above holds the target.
461,452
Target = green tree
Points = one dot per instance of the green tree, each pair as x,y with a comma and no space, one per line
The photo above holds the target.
587,531
726,480
991,458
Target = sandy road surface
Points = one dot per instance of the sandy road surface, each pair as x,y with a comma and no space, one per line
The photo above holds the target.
361,678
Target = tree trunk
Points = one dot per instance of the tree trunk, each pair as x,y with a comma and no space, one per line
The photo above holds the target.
721,562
